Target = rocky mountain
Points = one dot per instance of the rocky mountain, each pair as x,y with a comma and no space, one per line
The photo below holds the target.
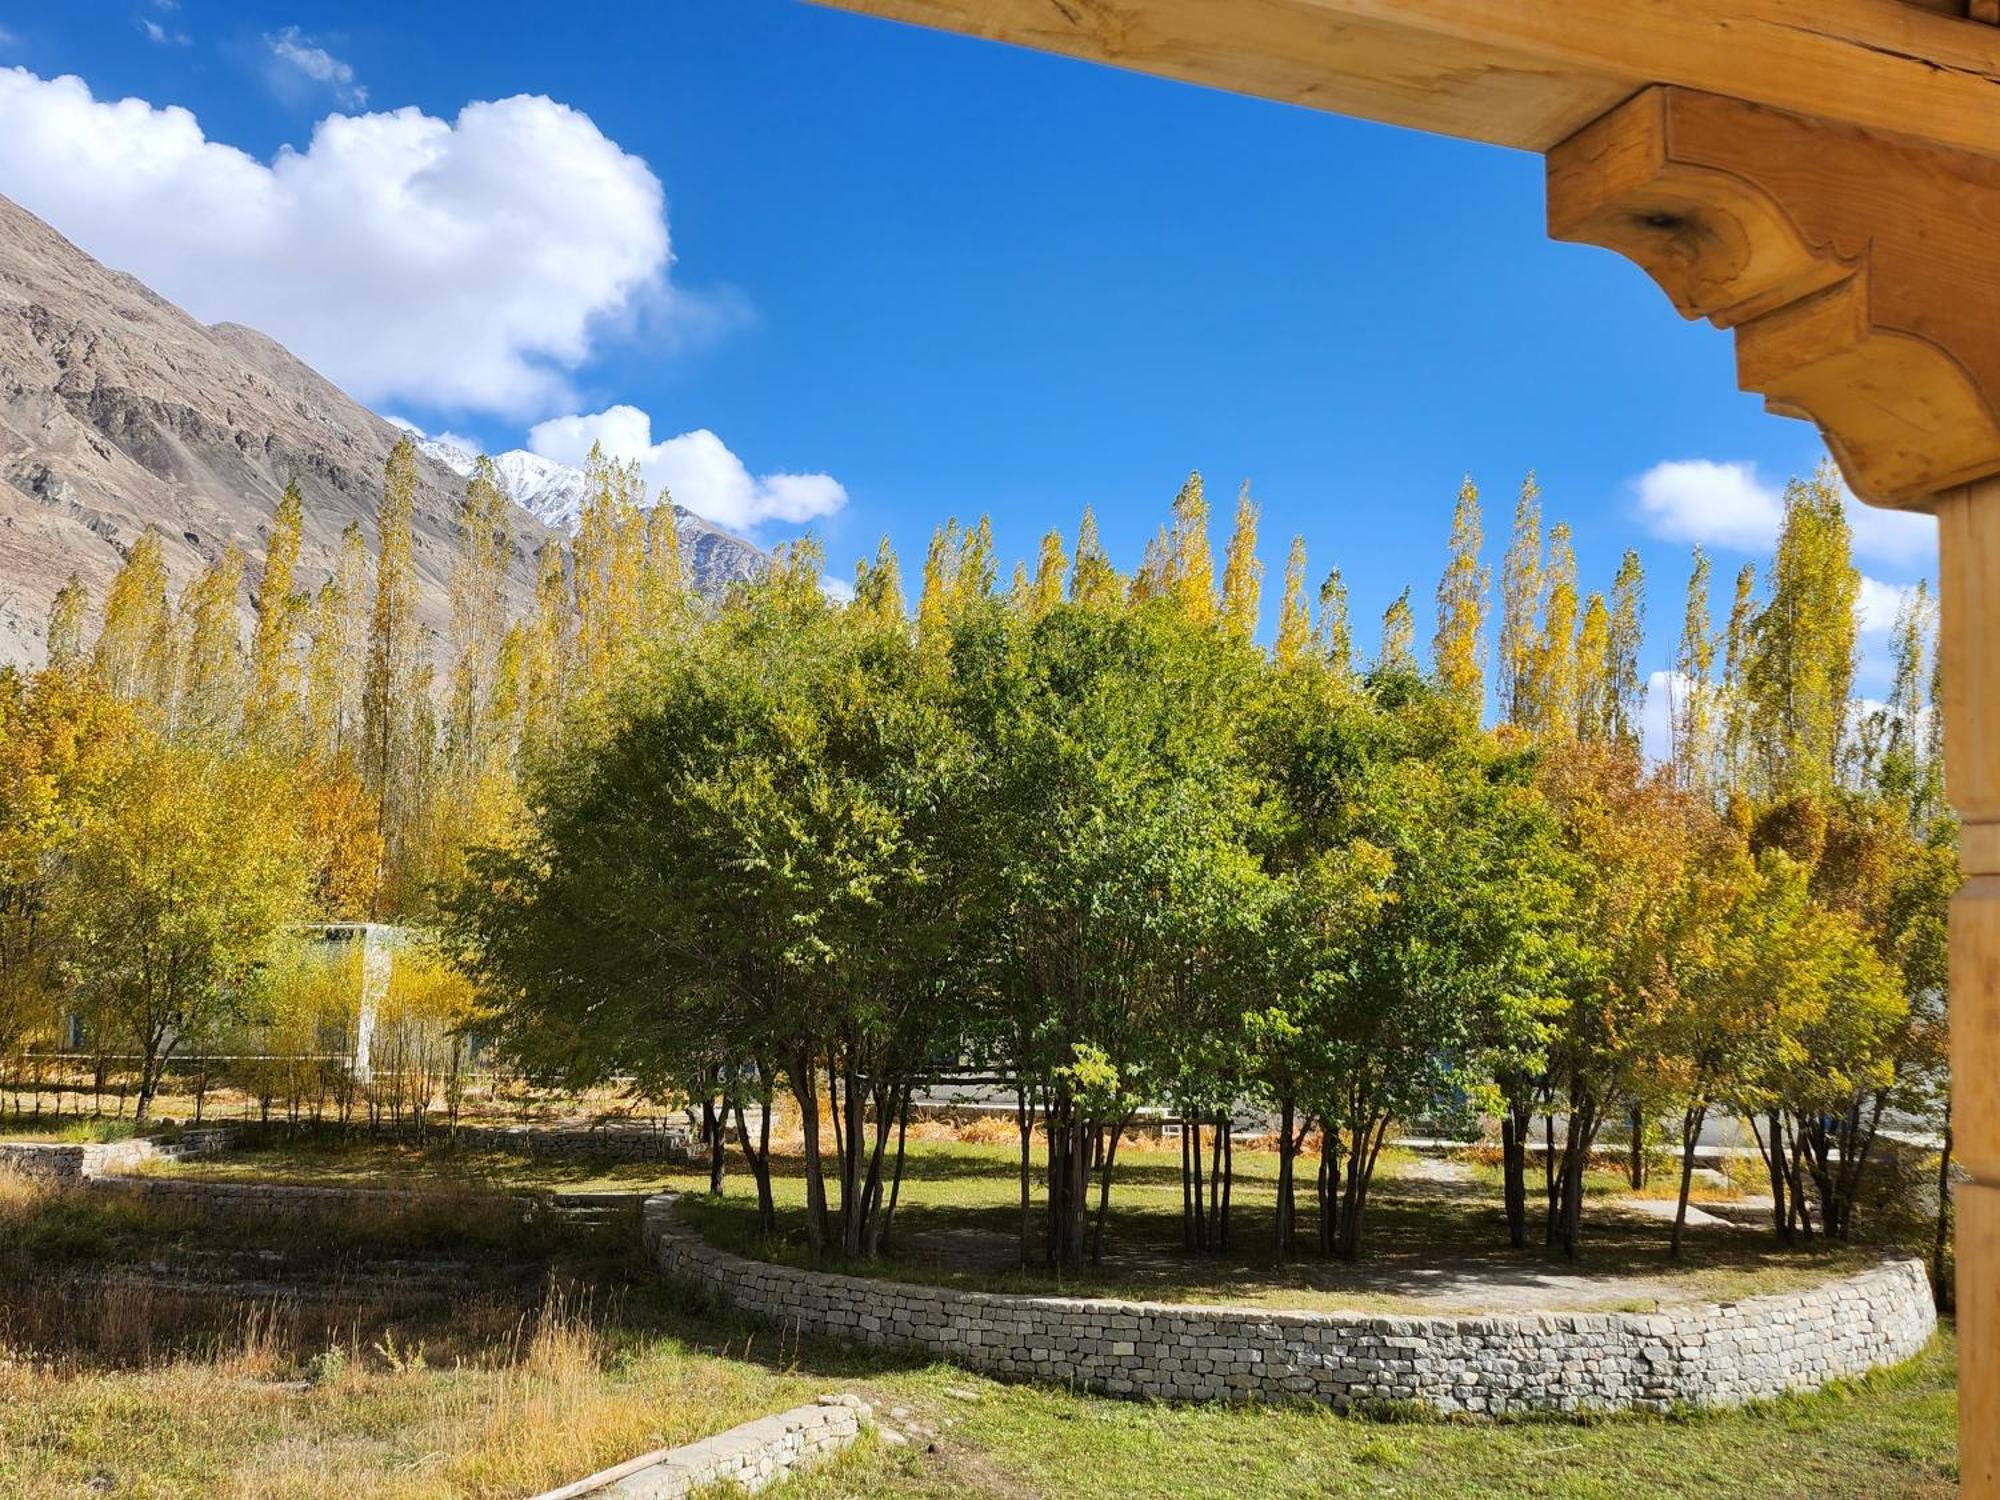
119,412
552,493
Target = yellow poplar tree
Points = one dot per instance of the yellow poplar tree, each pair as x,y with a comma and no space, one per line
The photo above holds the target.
1399,637
210,701
1593,671
1334,636
393,689
133,656
1551,706
65,633
271,712
1294,621
1051,563
1625,632
1242,573
878,589
1521,590
1093,582
1693,690
1459,649
337,628
1190,564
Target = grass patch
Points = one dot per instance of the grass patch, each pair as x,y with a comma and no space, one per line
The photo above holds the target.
1889,1437
1433,1244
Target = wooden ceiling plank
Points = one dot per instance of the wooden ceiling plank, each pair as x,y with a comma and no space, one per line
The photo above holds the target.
1526,73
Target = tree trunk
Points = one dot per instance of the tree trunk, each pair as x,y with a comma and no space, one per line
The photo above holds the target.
1287,1149
1635,1166
1024,1119
1514,1126
1691,1123
807,1095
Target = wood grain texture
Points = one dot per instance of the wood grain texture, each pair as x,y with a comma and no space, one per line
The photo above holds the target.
1526,73
1861,271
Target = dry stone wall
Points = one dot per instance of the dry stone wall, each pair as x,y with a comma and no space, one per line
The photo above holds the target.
1700,1354
69,1162
282,1200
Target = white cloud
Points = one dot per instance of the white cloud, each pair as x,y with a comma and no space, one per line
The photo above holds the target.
7,38
1728,505
464,264
839,590
160,36
1720,505
1879,603
295,53
700,472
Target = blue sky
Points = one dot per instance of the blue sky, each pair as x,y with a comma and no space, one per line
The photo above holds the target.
954,277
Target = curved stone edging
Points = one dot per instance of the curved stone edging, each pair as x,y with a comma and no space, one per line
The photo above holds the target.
1701,1354
758,1453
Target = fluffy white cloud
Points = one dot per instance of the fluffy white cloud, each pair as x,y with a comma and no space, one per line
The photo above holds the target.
292,52
1729,505
696,467
1719,505
1879,603
460,264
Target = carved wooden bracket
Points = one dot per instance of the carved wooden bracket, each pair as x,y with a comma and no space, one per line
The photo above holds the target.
1861,271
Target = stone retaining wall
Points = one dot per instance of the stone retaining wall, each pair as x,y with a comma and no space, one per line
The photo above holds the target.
281,1200
749,1457
567,1143
1699,1354
77,1161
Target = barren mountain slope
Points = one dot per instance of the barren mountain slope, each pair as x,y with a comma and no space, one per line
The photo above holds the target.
118,411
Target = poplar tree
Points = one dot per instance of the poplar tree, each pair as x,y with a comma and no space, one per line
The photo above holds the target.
133,656
65,631
1093,582
546,654
1692,710
1735,658
392,689
1294,620
1551,707
1242,573
271,712
609,557
1799,672
1626,633
1051,563
663,584
337,630
1189,572
478,576
935,600
1458,651
1521,590
1593,671
1333,636
210,698
878,588
1399,637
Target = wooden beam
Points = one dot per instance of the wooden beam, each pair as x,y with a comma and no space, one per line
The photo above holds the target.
1860,271
1526,73
1969,655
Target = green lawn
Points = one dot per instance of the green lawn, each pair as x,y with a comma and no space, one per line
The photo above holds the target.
1889,1436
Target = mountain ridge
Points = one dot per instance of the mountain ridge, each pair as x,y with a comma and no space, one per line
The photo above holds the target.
119,413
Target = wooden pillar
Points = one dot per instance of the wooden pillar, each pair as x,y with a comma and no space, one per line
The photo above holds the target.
1861,275
1969,645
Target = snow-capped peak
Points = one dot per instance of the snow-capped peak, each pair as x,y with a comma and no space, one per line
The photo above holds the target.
549,491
